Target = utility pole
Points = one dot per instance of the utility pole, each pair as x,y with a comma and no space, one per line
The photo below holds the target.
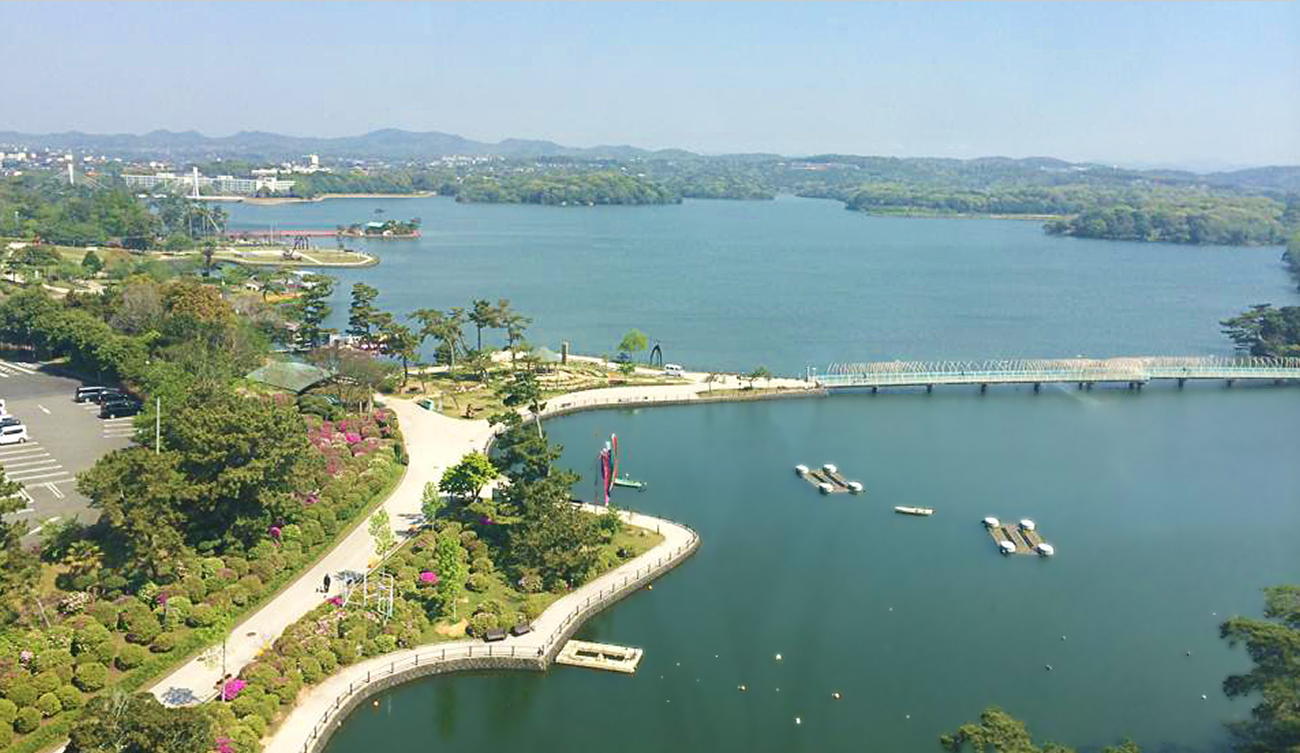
157,435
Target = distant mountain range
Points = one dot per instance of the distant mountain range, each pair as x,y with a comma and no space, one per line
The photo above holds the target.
385,144
394,145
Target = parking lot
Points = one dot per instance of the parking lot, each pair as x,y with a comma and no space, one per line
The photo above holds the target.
64,438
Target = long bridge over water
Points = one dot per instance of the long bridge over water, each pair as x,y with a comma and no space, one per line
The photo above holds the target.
1083,372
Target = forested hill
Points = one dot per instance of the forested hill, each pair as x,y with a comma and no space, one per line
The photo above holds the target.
565,189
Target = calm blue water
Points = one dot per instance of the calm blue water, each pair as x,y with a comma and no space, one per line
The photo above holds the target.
1169,510
797,282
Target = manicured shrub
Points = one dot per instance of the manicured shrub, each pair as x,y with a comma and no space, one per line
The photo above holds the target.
163,643
22,693
312,672
6,735
247,703
386,643
195,588
8,710
467,536
104,612
531,609
70,697
89,636
312,533
481,565
239,565
90,677
491,606
113,585
130,657
103,654
252,584
49,705
141,625
52,659
238,595
202,615
255,723
482,622
344,651
27,720
478,583
45,682
531,583
178,611
328,661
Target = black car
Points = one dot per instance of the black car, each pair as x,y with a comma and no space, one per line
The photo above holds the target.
109,395
85,394
123,406
10,421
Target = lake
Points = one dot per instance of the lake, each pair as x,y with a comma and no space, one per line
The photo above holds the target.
1169,510
798,282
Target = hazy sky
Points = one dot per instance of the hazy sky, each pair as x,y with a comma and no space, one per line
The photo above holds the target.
1147,82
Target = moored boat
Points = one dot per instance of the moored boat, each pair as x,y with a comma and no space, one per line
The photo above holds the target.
913,510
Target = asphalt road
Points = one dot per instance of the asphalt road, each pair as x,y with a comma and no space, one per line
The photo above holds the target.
64,438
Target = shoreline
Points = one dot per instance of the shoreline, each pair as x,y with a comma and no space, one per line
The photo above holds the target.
273,201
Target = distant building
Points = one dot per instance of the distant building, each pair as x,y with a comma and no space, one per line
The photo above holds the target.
222,184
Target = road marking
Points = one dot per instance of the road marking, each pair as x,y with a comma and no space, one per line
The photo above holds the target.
42,407
52,473
119,419
54,489
23,369
46,465
27,449
38,528
11,466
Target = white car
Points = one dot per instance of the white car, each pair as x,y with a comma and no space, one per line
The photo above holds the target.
673,370
13,434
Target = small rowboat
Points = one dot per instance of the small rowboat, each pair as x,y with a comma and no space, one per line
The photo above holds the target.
914,510
629,483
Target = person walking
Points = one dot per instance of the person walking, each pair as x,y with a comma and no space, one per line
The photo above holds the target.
327,582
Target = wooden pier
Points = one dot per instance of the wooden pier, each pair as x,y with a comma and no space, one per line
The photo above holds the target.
832,478
600,656
1025,539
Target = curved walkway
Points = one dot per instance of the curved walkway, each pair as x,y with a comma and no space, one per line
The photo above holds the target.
433,442
310,723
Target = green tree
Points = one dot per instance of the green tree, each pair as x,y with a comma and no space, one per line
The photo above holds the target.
513,322
362,312
445,329
381,530
19,568
465,480
999,731
523,390
91,263
759,373
431,502
117,723
144,498
1273,644
242,458
634,342
398,341
1266,331
483,316
449,561
310,309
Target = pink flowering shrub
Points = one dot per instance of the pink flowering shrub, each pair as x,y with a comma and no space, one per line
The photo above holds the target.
429,577
232,689
224,745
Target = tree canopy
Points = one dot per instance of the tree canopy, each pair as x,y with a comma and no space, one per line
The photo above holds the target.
1273,644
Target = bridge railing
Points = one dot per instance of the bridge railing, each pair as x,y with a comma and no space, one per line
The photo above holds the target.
1058,370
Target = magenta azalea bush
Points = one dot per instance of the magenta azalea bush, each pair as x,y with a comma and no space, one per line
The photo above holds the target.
232,689
429,577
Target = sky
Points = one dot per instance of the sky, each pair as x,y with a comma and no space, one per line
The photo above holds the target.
1145,83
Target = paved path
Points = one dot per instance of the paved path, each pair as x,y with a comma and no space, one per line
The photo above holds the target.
318,705
433,442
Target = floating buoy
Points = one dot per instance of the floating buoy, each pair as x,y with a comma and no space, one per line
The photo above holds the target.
1204,697
891,609
801,469
679,664
1045,549
1189,653
825,488
778,657
991,522
376,702
830,468
797,720
741,688
835,695
650,587
1048,666
855,487
907,716
1063,637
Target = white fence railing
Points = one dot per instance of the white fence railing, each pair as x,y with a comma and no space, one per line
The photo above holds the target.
908,373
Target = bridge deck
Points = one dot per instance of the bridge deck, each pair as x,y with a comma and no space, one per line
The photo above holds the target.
1073,370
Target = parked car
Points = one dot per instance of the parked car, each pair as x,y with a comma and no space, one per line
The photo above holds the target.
13,434
623,357
8,420
111,394
673,370
84,394
125,406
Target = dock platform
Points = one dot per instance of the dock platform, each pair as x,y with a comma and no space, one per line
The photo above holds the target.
1025,539
600,656
832,476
